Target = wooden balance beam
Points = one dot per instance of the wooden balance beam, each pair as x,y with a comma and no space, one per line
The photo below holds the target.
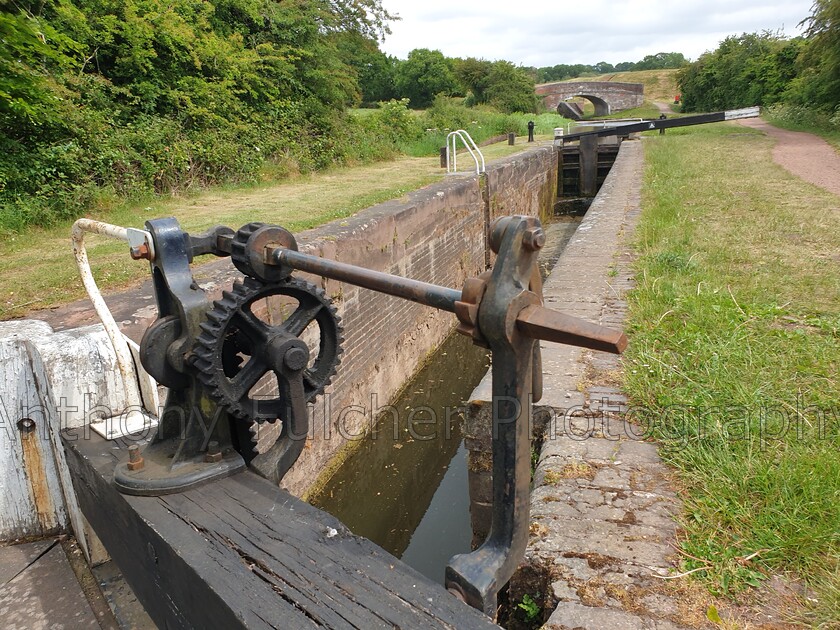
242,553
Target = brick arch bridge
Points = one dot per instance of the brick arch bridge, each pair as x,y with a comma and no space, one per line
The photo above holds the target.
607,96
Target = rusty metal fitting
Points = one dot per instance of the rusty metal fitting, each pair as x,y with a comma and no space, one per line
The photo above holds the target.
140,252
466,309
26,425
533,239
213,454
496,233
455,590
135,459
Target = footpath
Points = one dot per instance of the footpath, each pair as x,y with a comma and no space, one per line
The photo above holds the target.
602,509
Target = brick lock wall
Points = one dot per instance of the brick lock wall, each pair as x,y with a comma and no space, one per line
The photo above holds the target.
436,236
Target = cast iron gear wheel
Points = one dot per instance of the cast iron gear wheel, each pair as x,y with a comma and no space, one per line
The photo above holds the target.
228,354
247,250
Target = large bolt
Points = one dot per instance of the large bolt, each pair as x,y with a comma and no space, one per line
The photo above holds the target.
296,358
214,453
135,459
533,239
139,252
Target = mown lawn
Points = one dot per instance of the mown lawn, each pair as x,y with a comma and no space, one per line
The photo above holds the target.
37,269
734,357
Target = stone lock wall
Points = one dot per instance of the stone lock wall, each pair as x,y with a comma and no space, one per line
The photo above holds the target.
435,235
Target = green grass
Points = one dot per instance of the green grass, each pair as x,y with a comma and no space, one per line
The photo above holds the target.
37,266
735,326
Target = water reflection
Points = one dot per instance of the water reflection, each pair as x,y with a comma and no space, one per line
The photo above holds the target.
386,488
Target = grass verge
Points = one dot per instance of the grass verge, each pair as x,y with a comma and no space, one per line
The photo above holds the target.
37,266
734,361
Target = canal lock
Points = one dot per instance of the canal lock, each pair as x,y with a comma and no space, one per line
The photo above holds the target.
405,486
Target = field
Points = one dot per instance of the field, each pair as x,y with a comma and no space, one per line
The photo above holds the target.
734,331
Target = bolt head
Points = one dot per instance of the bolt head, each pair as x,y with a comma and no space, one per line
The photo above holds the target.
139,252
534,239
296,358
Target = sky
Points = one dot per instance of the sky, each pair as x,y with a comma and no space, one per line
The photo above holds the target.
540,33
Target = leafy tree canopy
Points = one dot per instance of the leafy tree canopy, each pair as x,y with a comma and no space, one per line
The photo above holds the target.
818,82
423,75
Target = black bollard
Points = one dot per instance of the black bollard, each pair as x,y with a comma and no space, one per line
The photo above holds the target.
511,138
662,117
443,163
530,131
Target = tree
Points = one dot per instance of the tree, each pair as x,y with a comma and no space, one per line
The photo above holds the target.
661,61
750,69
818,83
142,95
510,88
365,17
472,74
373,69
423,75
31,50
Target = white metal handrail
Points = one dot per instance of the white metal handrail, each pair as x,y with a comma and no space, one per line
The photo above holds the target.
135,238
452,153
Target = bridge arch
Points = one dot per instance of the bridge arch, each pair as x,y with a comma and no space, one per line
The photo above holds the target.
607,96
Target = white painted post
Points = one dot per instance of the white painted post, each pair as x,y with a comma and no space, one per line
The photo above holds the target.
32,497
56,380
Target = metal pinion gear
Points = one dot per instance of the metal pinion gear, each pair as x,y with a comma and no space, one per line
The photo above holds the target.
231,354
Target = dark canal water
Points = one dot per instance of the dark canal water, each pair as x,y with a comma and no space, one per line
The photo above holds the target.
405,487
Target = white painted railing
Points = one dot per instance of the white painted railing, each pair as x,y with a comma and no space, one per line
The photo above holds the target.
138,240
452,153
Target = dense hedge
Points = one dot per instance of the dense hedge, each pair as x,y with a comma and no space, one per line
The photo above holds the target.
103,98
768,68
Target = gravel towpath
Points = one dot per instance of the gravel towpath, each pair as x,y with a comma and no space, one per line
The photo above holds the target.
803,154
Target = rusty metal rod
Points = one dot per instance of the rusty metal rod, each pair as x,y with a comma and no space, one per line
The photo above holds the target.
535,322
414,290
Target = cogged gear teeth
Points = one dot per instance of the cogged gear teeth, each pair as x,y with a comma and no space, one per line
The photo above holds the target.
239,247
231,330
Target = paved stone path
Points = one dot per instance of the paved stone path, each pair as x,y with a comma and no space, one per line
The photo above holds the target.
602,510
39,591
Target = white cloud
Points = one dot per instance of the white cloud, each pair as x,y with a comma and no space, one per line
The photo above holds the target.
541,33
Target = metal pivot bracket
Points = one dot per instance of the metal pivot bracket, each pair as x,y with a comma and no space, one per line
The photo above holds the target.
192,444
212,355
477,577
